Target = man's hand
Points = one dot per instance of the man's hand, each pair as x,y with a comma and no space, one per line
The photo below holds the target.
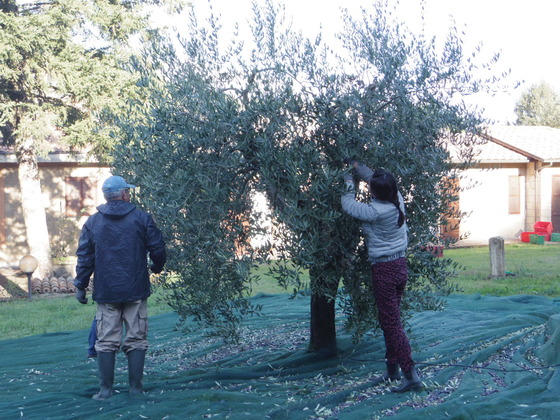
81,296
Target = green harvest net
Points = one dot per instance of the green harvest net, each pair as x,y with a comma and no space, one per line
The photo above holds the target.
481,358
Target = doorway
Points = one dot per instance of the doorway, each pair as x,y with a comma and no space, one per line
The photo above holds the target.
555,207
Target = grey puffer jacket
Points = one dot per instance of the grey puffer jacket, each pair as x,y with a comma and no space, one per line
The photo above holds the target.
114,246
385,240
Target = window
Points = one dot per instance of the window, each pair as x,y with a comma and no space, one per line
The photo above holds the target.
80,196
514,195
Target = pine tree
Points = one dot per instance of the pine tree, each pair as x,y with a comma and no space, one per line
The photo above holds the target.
539,105
60,66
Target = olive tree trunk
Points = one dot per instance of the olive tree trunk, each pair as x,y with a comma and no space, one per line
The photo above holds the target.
322,324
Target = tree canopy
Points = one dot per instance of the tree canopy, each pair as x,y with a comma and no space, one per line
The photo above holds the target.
60,68
277,114
539,105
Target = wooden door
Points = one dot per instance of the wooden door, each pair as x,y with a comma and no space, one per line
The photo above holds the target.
555,216
451,228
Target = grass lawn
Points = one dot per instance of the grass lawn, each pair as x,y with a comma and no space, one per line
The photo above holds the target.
531,270
535,270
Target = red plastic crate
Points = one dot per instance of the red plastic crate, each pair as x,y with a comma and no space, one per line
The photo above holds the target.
543,228
436,250
526,236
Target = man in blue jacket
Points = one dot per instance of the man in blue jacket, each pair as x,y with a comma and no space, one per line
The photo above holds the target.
114,246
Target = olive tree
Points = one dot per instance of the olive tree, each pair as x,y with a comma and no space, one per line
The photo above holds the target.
277,115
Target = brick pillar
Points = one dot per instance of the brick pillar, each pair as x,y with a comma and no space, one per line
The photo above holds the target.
531,205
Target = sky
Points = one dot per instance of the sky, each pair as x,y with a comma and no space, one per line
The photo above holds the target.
525,33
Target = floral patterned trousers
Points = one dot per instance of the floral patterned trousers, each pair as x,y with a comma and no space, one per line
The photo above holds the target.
389,281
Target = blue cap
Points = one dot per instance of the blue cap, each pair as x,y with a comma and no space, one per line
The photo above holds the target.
115,183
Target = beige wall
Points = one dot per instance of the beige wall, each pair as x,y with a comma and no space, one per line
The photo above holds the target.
485,199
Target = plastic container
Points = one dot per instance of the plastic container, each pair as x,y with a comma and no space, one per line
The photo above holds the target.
555,237
543,228
435,250
537,239
526,236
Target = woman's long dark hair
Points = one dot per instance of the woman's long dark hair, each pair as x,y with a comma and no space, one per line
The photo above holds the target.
383,186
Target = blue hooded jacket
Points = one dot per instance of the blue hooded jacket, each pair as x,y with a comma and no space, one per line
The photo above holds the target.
114,246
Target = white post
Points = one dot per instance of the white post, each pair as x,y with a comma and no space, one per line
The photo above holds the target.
497,257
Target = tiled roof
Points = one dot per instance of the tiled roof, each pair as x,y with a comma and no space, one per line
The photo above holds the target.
491,152
510,143
515,144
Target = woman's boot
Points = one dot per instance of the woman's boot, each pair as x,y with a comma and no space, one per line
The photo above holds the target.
410,381
392,373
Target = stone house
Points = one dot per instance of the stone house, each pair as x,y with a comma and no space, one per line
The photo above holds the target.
515,184
71,189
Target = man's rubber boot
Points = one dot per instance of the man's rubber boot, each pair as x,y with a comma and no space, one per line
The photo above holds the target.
136,370
392,373
410,382
106,364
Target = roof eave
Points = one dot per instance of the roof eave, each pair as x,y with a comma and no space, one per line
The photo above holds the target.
53,157
508,146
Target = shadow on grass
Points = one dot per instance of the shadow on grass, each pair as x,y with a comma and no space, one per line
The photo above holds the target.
11,288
